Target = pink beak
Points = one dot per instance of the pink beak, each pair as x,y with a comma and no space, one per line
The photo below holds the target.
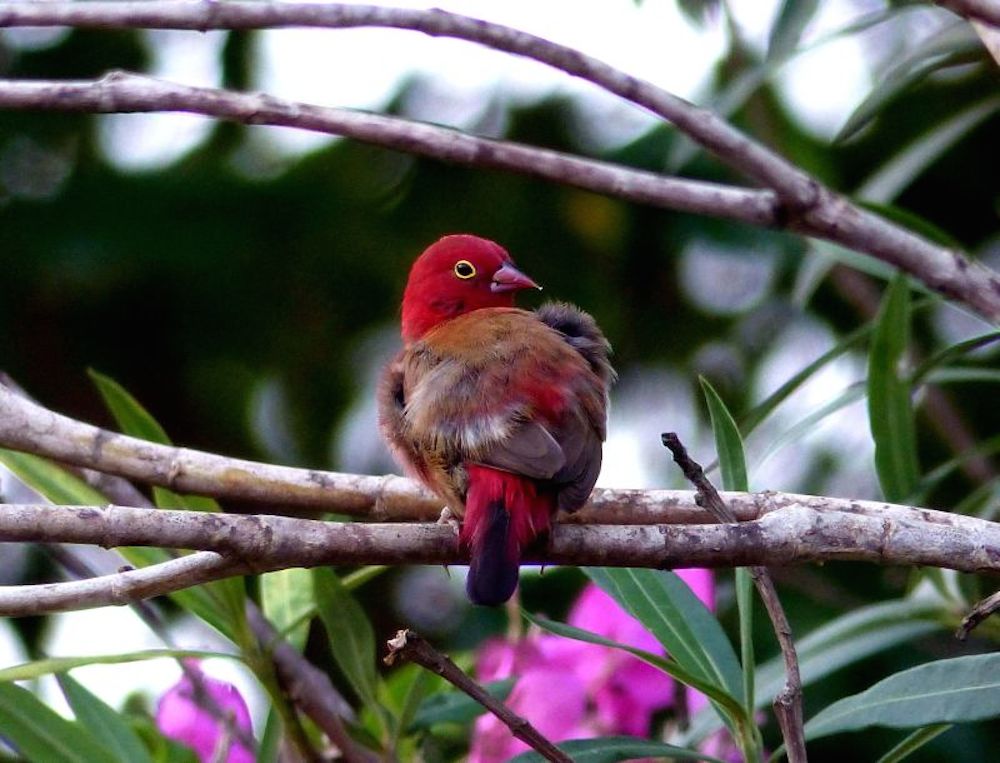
509,278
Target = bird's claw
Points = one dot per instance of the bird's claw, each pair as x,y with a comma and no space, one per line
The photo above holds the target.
448,518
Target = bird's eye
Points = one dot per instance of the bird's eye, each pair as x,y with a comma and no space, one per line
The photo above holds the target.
465,269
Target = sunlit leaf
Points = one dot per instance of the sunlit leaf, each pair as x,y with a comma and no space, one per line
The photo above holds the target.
287,599
49,665
955,690
890,411
103,722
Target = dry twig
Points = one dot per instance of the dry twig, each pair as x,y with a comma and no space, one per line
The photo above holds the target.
788,703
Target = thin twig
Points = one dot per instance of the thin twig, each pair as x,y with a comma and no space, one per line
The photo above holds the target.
407,645
805,205
988,606
788,702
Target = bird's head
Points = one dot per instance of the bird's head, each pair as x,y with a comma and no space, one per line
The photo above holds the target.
456,275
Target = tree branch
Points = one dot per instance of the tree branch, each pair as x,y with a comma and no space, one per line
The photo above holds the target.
802,203
242,544
120,92
407,645
788,702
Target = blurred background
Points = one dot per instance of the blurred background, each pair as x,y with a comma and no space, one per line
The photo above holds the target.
244,282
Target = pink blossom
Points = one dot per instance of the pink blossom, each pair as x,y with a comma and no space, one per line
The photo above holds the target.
571,689
179,717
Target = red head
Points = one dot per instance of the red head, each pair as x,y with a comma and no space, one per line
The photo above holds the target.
456,275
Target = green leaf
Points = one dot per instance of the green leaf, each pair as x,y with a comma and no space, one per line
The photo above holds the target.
843,641
793,18
48,665
954,44
103,722
287,600
270,741
752,418
945,356
136,421
728,442
732,462
456,706
685,627
807,425
613,749
895,176
221,603
729,705
54,483
914,742
955,690
351,637
40,734
906,218
890,412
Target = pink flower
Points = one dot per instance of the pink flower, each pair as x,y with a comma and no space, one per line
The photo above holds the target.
181,718
571,689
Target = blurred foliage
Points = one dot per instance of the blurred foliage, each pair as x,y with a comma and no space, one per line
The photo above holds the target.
233,274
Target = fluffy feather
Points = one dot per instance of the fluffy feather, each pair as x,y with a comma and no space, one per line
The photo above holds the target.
499,411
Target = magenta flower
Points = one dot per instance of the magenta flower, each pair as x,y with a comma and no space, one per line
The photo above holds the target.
571,689
181,718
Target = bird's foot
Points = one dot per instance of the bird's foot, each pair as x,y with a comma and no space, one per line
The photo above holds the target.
448,518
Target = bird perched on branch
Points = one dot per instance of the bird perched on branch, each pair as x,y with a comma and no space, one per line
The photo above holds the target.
501,412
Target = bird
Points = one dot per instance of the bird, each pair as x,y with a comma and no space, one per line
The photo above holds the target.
500,412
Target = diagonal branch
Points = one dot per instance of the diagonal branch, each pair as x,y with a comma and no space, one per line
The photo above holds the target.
803,203
120,92
788,702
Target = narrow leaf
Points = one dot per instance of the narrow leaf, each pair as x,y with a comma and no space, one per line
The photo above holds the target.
914,742
955,690
890,412
456,706
287,600
103,722
48,665
732,463
793,17
352,640
38,733
727,702
685,627
614,749
728,442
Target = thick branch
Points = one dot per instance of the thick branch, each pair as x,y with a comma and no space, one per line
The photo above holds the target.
27,426
237,545
805,204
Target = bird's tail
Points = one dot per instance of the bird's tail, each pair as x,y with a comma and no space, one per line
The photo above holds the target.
504,512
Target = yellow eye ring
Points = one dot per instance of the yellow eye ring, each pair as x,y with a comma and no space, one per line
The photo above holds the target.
465,270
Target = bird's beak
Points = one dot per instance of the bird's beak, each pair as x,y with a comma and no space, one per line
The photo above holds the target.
509,278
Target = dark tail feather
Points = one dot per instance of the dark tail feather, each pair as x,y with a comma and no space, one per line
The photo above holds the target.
495,558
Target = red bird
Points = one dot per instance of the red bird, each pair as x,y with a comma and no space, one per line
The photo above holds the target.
501,412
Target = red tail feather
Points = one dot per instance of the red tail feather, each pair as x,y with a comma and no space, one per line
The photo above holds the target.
504,512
